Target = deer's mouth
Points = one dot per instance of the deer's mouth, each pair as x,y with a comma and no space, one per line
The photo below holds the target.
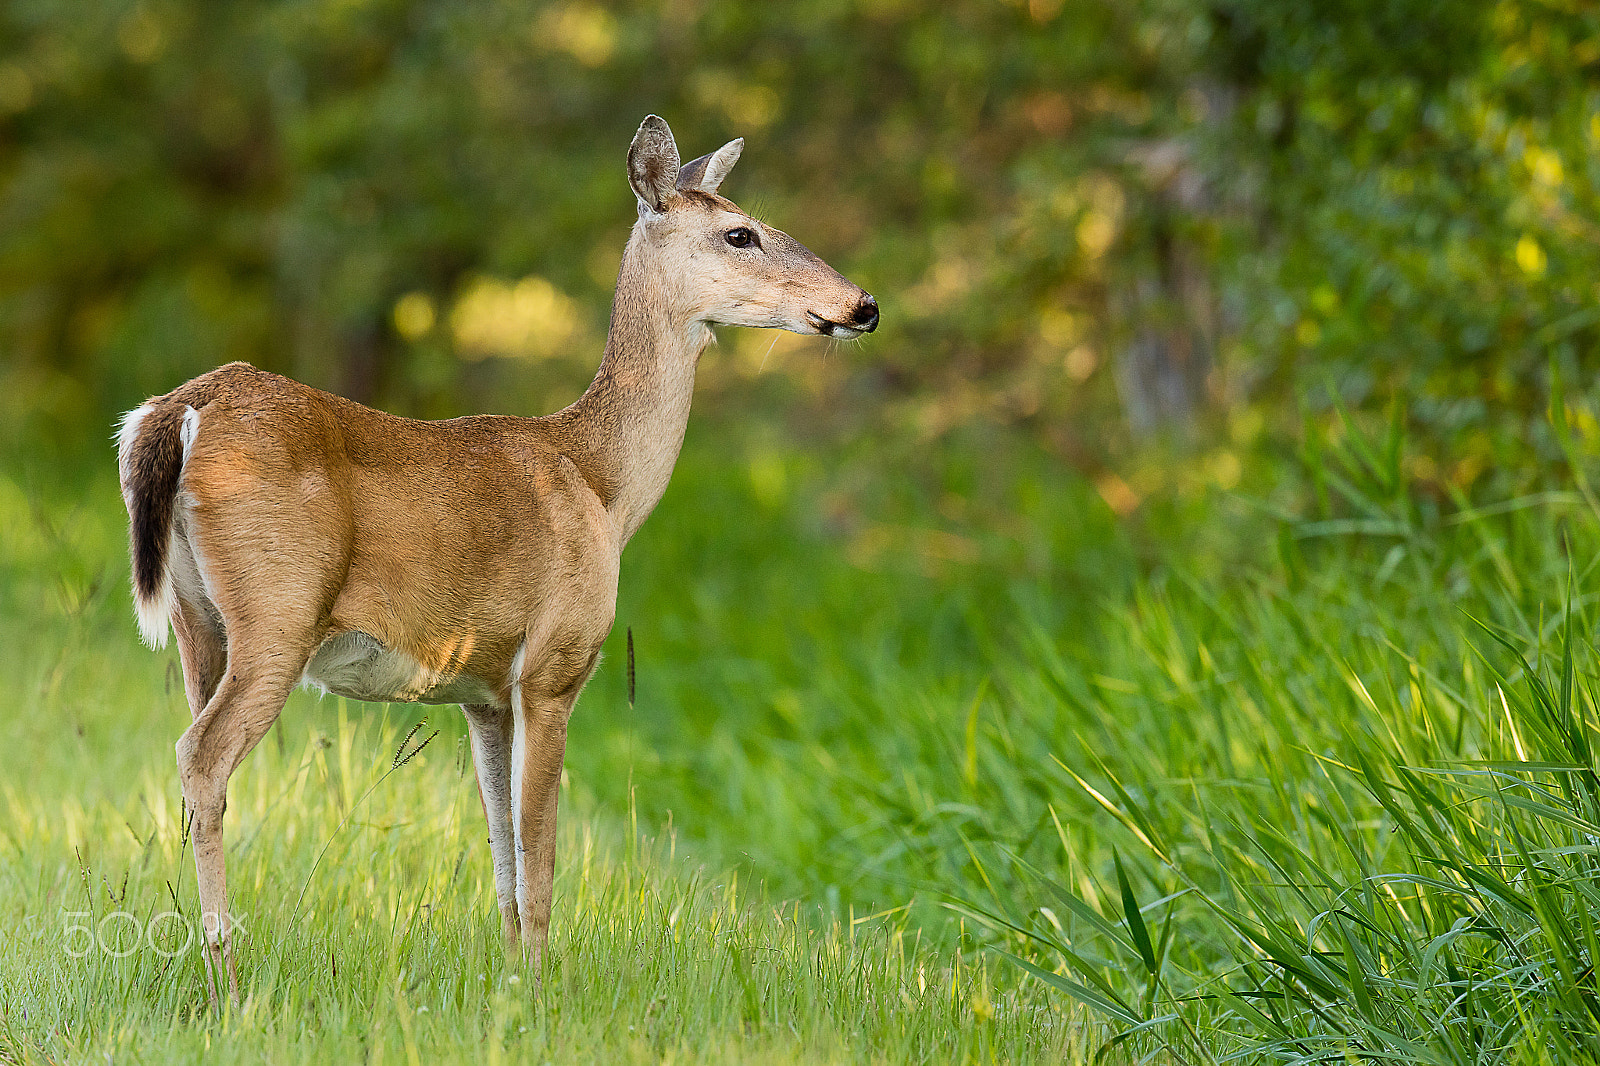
840,330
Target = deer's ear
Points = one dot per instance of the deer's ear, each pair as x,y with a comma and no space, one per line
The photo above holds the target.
653,164
706,173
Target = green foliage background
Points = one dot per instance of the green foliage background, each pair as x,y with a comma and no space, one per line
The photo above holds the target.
1394,196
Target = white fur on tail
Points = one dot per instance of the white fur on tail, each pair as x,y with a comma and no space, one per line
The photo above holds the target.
154,613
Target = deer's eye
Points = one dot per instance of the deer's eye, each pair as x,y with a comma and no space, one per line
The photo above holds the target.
740,238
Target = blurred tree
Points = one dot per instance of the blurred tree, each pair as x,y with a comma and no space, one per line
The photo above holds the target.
1066,206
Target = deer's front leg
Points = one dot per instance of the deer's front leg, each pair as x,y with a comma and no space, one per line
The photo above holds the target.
490,730
539,743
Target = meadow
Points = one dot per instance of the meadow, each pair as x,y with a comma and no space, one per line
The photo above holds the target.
951,764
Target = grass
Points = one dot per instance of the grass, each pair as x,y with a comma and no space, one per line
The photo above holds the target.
393,950
945,764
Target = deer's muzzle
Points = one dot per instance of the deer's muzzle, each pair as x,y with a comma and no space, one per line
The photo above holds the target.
863,319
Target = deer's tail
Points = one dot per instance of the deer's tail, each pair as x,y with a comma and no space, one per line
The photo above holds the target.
152,444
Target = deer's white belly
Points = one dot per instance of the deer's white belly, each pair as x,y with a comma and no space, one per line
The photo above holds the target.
360,667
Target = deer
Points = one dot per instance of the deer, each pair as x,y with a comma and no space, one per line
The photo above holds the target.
288,536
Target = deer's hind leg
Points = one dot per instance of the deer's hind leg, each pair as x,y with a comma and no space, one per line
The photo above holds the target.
246,703
202,643
203,651
271,541
271,624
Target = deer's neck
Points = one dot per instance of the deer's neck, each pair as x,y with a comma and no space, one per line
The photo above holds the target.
627,429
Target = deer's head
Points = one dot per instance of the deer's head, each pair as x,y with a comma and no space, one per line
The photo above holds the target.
723,266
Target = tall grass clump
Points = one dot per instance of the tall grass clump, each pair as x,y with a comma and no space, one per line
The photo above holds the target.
1343,806
1409,903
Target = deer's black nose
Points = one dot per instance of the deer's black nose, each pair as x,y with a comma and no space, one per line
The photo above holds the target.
866,316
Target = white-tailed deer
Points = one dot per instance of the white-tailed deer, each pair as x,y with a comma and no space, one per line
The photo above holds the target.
290,536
